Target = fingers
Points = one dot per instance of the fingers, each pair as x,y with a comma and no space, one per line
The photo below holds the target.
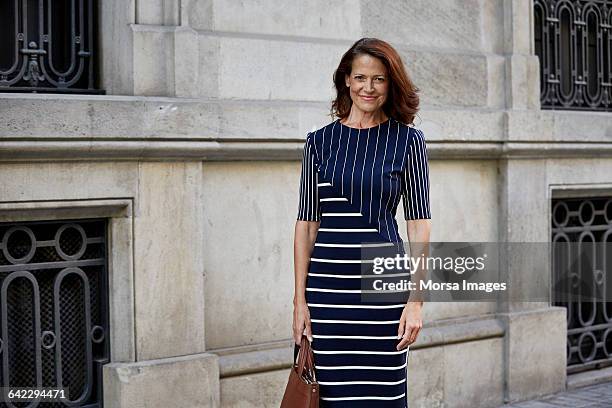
402,325
401,330
297,334
301,326
308,330
298,329
414,334
404,339
410,334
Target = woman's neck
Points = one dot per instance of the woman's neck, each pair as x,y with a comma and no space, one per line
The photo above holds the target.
361,119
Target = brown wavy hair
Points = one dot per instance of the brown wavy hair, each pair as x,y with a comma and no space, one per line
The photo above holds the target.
402,102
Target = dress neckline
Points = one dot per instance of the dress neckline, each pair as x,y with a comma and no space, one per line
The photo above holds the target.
368,128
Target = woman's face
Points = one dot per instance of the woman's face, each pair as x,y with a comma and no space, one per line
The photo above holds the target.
368,83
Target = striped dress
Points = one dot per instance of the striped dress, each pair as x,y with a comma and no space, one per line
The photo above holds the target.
352,181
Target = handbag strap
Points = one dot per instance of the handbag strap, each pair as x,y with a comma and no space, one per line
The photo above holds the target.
296,349
305,360
302,356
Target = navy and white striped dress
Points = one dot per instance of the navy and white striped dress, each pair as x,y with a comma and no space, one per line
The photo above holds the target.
352,181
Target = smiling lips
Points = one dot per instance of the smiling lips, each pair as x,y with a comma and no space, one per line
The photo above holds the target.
368,98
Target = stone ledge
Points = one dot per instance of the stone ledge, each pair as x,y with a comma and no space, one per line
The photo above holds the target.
176,150
279,355
157,128
590,377
57,210
117,117
191,380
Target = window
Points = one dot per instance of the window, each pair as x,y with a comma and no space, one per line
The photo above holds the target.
54,307
48,46
572,41
582,238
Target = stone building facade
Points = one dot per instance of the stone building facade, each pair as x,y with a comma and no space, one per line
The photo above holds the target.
192,158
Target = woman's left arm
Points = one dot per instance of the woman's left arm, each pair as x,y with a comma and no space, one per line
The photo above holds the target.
410,322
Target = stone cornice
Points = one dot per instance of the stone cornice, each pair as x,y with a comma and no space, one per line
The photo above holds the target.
228,150
102,127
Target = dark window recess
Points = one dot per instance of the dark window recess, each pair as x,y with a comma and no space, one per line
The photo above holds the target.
54,307
573,42
48,46
582,262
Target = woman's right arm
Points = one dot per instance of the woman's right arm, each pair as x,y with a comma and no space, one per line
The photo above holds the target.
306,229
303,243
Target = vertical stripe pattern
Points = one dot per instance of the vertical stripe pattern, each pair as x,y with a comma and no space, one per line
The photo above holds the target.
415,179
393,153
309,208
352,181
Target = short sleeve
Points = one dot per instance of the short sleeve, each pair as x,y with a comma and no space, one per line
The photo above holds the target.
415,178
308,208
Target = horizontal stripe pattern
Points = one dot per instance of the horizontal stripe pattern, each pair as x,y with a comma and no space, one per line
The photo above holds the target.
336,276
367,352
362,382
382,244
341,215
371,397
339,306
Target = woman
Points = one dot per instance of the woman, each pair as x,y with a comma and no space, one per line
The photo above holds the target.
354,171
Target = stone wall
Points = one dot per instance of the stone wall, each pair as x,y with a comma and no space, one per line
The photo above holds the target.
194,156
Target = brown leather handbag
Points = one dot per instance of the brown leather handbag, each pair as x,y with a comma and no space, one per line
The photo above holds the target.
302,388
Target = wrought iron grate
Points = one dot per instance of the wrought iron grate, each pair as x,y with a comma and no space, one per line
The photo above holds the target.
573,40
48,46
54,307
587,222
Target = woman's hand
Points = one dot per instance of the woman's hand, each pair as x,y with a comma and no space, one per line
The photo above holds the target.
410,324
301,321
